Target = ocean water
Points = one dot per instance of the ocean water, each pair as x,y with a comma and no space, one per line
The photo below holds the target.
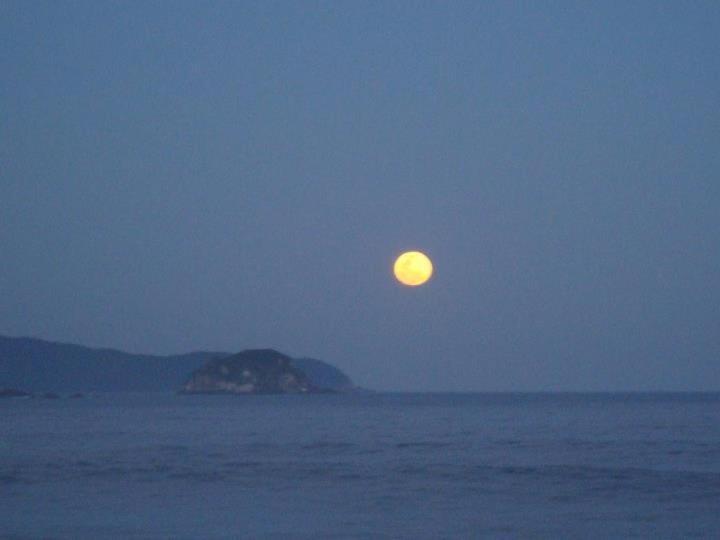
361,466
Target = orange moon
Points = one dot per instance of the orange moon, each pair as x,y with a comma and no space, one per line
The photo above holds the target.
413,268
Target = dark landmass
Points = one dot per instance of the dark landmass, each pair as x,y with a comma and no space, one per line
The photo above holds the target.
260,371
323,375
13,393
44,366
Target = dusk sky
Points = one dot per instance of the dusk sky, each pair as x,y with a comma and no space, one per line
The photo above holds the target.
180,176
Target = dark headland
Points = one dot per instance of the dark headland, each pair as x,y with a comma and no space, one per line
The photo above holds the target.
37,366
262,371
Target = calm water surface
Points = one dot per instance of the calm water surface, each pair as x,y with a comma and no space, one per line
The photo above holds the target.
361,466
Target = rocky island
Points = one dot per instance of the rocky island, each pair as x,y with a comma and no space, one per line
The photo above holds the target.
258,371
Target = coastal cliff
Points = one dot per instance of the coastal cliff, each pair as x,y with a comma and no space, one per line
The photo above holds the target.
259,371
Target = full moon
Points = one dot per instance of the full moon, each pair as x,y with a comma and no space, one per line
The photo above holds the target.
413,268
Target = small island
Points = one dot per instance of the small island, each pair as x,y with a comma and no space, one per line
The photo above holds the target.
14,393
256,371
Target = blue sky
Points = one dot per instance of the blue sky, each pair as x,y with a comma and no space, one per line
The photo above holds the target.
178,176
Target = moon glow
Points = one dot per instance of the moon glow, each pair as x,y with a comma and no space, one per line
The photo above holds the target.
413,268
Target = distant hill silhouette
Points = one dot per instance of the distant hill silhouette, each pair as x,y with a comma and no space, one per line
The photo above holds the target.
324,375
258,371
36,365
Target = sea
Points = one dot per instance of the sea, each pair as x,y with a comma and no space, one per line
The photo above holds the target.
366,465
